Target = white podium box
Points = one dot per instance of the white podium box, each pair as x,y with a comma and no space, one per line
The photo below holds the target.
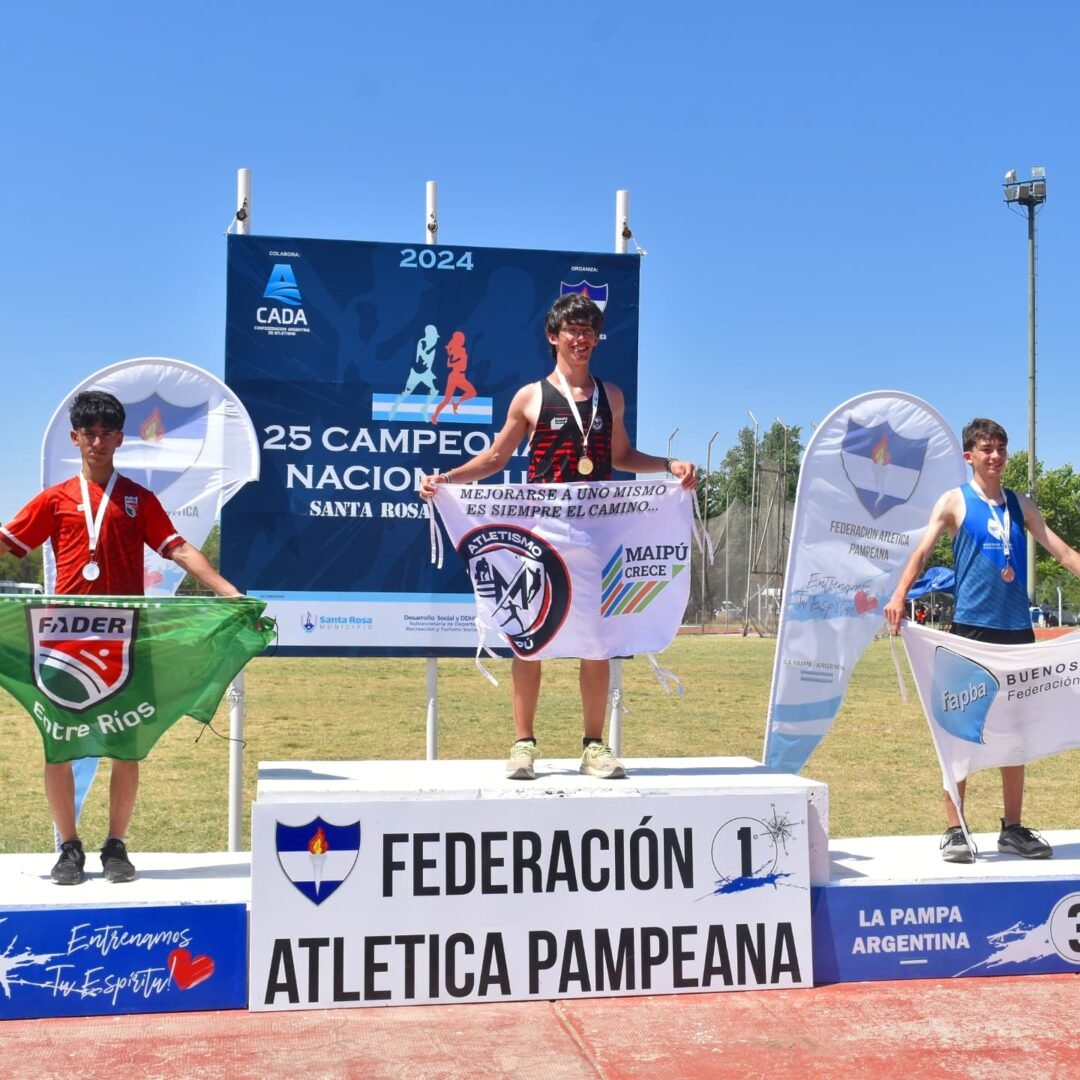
380,883
174,939
374,781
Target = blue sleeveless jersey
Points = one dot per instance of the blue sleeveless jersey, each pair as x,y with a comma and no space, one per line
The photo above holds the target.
982,598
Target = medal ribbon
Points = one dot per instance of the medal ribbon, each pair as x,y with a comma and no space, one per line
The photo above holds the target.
1004,523
93,523
564,389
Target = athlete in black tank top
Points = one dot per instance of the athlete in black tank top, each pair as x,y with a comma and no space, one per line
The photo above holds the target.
555,449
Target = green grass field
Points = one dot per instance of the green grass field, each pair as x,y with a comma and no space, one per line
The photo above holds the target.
878,759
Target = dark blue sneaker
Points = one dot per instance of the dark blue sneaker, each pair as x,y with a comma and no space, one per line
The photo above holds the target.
1018,840
115,861
69,867
954,846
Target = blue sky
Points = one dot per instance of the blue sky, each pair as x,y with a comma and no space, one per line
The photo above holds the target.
818,187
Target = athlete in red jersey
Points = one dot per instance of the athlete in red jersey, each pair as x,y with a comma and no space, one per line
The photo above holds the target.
97,523
583,440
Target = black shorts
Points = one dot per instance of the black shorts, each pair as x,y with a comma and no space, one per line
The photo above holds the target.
1023,636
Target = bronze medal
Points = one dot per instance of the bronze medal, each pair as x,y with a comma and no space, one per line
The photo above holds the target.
584,465
1008,573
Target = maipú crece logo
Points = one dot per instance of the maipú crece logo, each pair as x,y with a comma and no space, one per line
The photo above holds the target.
635,576
961,694
82,656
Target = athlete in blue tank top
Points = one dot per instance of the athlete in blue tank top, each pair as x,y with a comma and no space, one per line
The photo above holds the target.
989,527
991,575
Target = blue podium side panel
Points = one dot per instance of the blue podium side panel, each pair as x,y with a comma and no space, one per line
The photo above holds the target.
943,930
139,959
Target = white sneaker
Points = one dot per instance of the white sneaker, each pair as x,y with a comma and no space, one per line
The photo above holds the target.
520,765
599,760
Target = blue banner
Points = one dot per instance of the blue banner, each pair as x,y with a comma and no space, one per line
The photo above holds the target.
941,930
95,961
364,366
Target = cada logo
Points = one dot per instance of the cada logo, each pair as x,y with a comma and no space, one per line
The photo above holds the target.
281,286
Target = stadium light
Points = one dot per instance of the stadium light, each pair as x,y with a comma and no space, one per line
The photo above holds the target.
1030,194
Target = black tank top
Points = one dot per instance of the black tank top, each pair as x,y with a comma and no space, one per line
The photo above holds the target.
556,444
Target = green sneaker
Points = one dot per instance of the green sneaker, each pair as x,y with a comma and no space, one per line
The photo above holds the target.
520,765
599,760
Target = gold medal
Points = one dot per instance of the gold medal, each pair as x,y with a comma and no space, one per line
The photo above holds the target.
1008,573
584,465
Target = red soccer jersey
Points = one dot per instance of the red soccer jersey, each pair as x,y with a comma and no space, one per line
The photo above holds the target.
134,517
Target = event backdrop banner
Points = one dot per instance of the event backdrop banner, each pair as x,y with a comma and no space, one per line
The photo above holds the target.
407,903
108,676
871,475
365,366
582,570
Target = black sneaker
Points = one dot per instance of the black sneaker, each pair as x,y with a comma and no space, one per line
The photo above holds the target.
115,861
1018,840
69,867
954,846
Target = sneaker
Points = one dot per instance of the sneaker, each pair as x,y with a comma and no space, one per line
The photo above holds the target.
115,861
520,765
1017,840
598,760
69,867
954,846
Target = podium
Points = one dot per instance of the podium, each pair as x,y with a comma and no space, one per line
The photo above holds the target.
384,883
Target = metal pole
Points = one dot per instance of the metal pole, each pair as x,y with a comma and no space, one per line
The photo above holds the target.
431,236
1031,396
622,222
670,440
622,237
750,529
431,212
243,201
727,539
235,693
705,526
236,759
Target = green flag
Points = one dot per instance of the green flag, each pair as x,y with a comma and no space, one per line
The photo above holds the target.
107,676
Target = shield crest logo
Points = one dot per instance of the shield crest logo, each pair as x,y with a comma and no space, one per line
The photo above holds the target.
317,857
598,294
131,505
161,441
883,467
82,655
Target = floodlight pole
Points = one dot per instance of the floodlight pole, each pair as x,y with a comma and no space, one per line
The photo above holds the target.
1030,195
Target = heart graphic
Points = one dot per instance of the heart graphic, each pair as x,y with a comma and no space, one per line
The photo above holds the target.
188,971
864,602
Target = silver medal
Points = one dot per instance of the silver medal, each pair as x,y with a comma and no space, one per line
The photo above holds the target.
91,571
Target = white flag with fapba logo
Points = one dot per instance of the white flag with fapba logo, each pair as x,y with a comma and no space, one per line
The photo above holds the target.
575,570
870,477
993,705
